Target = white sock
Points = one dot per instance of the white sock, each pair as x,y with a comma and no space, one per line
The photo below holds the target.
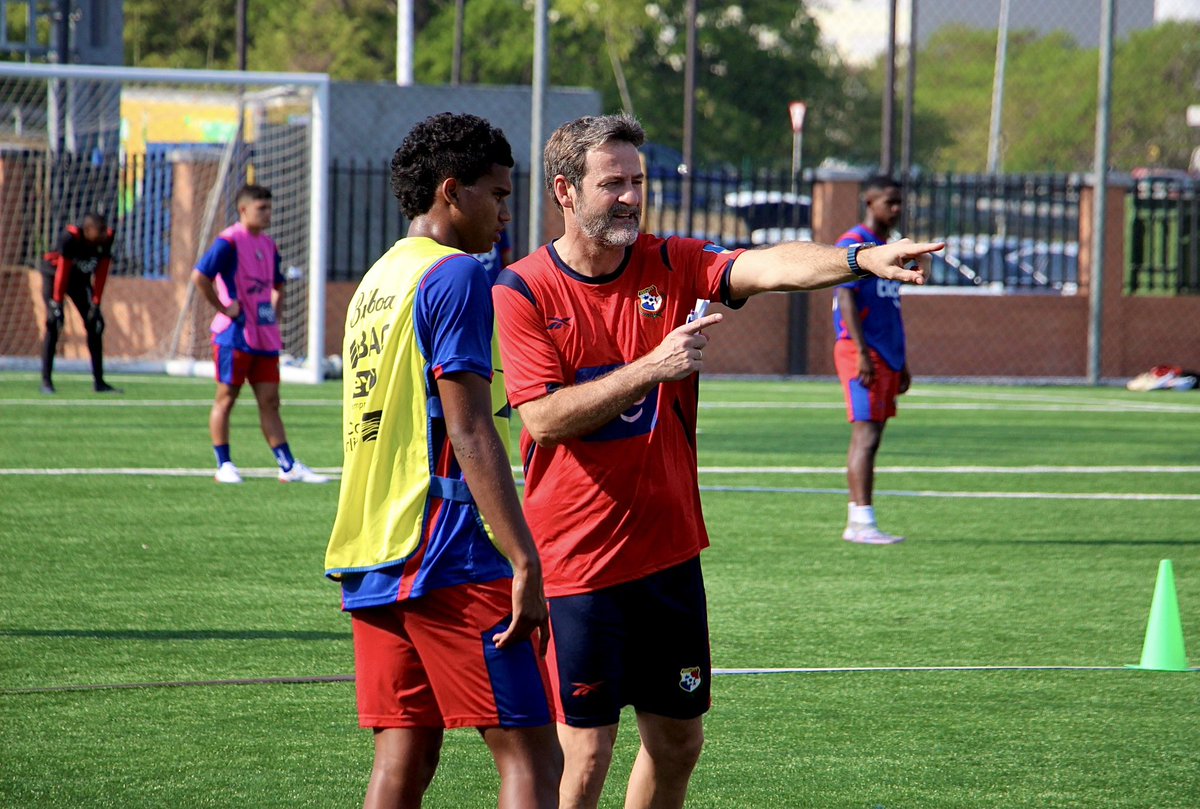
862,515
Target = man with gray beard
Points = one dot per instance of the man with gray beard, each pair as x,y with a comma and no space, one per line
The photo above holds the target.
601,340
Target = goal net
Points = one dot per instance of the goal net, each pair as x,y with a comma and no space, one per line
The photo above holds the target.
160,154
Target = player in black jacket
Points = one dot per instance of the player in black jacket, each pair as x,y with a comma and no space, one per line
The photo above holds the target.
78,269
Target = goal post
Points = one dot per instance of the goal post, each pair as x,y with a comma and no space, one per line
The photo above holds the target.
160,153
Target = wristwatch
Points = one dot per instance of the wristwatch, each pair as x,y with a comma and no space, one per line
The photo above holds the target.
852,259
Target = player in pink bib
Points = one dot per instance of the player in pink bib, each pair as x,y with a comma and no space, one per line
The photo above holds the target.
240,277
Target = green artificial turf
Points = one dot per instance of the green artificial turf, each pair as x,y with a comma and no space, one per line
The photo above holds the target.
156,578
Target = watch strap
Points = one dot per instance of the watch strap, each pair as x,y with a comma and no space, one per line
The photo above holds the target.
852,259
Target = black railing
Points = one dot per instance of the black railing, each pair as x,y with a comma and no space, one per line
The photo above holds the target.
1010,232
1162,246
1016,232
365,218
733,209
133,192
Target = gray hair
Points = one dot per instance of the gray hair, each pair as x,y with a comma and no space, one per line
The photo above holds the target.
566,151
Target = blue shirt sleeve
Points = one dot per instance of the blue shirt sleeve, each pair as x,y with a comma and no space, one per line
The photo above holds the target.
454,317
279,279
221,259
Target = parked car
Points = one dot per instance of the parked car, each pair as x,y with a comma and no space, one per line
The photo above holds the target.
1158,183
1013,262
770,217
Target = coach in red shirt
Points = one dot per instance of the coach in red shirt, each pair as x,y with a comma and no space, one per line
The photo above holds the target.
601,361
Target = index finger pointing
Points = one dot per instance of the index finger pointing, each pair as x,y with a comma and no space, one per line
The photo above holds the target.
922,248
700,323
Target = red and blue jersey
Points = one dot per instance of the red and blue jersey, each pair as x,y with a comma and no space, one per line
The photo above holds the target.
878,302
407,523
622,502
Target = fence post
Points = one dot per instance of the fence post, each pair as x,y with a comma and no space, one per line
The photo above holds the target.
1112,327
835,209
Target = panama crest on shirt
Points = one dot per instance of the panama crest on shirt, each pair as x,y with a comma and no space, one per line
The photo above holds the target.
650,302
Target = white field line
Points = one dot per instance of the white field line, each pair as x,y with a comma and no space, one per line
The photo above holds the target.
333,471
166,472
326,679
949,470
1065,407
876,669
1137,496
332,403
1049,406
1065,397
121,401
704,470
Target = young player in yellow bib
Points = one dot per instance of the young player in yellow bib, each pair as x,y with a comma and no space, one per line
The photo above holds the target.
446,610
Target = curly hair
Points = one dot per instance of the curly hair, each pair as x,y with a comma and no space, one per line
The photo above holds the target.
566,151
461,146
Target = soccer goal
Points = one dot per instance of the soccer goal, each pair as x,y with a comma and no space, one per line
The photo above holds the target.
161,154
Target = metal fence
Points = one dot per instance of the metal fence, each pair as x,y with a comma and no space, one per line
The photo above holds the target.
132,191
1016,232
365,218
1162,248
1011,232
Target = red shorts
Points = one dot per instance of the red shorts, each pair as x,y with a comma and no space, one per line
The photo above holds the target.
876,403
235,367
430,662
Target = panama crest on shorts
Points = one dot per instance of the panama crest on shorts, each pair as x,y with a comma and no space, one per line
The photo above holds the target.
689,678
650,302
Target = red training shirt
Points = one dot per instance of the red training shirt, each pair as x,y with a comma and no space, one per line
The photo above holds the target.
622,502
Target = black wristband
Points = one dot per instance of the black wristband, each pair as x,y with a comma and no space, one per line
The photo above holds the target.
852,259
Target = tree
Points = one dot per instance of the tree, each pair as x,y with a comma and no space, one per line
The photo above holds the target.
751,62
1050,98
1156,75
351,40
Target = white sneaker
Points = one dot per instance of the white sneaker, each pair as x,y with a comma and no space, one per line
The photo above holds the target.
869,535
227,473
299,473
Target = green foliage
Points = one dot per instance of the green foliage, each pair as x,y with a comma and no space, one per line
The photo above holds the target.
753,59
352,40
497,44
1050,98
1156,74
182,33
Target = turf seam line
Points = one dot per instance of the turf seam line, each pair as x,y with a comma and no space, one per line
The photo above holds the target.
719,672
1136,496
1107,407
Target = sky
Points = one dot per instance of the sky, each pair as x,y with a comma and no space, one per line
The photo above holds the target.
858,28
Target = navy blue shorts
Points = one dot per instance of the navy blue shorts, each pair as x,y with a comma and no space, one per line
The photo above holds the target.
643,643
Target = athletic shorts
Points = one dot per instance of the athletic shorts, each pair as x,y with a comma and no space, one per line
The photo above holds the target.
429,662
239,367
643,643
876,403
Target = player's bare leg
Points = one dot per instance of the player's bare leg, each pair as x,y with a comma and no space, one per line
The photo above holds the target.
669,752
530,764
865,437
218,418
405,761
861,528
267,395
587,755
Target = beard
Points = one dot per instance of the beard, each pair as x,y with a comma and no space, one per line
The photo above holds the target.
606,229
